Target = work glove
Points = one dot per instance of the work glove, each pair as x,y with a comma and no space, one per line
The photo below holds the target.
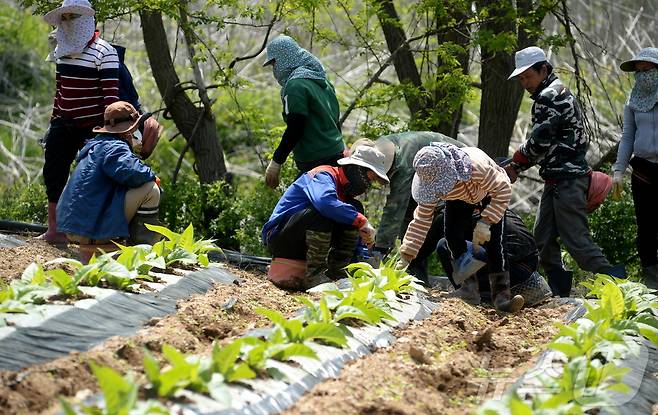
401,264
367,233
617,185
481,233
272,174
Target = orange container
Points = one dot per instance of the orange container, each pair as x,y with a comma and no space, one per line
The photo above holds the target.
286,272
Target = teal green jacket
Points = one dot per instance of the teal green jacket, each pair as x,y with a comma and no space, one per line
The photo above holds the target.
401,174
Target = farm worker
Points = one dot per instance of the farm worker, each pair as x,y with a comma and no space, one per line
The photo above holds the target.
639,140
310,110
87,71
111,193
466,179
558,145
520,253
399,150
318,220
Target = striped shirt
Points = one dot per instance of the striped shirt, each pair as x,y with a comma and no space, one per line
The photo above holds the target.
487,179
86,83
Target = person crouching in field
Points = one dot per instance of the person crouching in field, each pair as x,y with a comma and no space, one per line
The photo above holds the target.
317,220
111,193
466,179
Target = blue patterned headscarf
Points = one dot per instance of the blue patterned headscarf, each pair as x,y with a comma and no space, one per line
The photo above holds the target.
293,61
439,167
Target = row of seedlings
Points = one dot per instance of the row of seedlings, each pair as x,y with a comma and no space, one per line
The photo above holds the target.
369,298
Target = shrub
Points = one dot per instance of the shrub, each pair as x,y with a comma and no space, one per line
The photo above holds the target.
23,202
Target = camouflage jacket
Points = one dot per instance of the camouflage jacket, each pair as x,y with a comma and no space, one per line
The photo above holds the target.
393,222
557,142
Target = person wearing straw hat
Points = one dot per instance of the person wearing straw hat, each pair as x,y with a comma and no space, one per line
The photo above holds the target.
400,150
466,179
87,71
318,220
557,144
111,193
639,141
310,110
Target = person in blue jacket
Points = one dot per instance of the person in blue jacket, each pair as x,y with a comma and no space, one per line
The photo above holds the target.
318,220
111,193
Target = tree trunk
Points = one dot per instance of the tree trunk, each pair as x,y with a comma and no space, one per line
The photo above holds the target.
196,125
501,99
457,35
403,59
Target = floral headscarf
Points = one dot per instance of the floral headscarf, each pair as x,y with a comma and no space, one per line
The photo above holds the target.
644,95
439,167
73,35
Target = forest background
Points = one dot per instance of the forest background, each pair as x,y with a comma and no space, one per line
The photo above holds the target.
438,65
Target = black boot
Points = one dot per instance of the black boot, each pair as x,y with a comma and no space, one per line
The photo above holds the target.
501,294
341,252
140,234
560,281
418,268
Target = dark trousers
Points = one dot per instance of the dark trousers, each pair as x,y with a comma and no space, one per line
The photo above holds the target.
63,141
458,228
305,166
418,266
644,185
289,239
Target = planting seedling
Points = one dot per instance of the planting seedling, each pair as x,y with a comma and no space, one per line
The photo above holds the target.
298,331
181,247
119,396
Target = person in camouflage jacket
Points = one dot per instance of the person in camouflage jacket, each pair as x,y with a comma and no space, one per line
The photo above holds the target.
557,144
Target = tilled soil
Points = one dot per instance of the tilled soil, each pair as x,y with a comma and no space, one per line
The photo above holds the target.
448,363
223,312
13,261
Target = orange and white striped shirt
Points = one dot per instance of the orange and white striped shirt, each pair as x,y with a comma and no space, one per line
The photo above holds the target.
487,179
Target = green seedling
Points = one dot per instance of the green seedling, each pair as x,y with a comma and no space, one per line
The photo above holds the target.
181,247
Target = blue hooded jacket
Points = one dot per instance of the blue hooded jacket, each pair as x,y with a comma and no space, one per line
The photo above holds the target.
92,204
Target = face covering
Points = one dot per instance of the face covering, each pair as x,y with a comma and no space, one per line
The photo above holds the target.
73,35
644,95
358,182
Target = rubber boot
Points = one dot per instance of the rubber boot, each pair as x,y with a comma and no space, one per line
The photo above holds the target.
52,236
139,233
651,276
560,281
501,294
341,253
318,245
469,291
418,268
617,271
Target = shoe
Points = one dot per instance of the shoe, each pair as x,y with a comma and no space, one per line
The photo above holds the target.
534,290
501,294
467,264
560,280
469,291
617,271
651,276
51,235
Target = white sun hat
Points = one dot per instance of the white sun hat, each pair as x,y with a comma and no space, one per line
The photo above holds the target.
370,158
527,57
81,7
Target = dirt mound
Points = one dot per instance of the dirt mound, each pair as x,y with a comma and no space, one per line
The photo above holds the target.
448,363
223,312
13,261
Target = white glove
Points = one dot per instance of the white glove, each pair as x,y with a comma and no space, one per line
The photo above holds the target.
367,233
401,264
272,174
617,185
481,233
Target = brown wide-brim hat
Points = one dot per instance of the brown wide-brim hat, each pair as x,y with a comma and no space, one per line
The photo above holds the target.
120,117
